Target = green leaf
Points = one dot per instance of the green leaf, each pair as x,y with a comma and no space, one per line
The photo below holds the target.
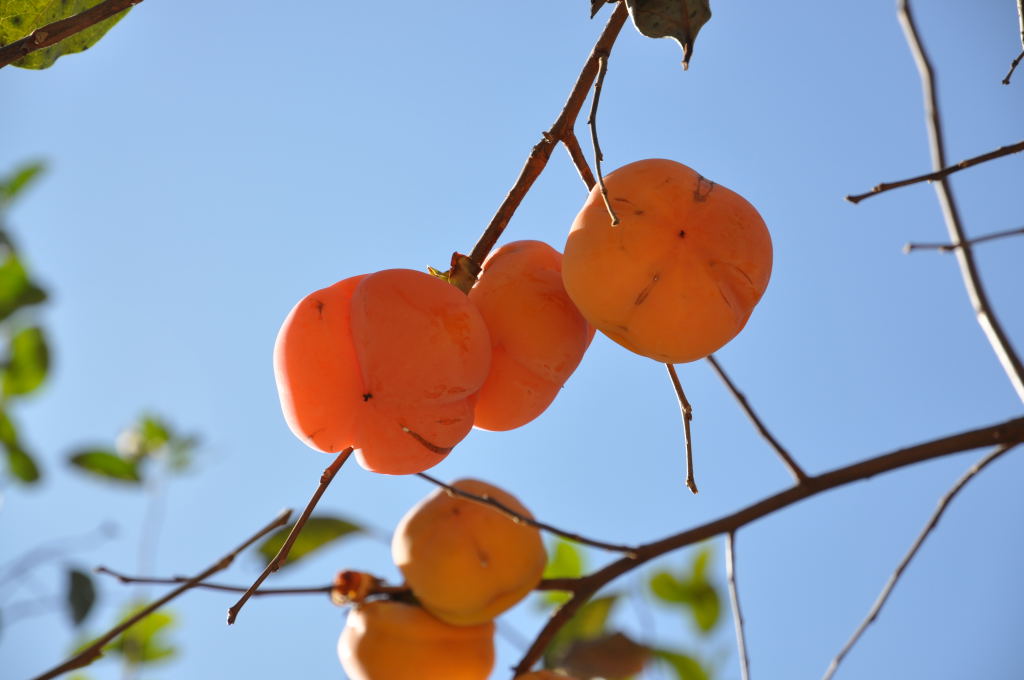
154,433
18,18
676,19
19,461
587,623
144,642
16,290
685,666
19,180
706,606
81,595
565,561
107,465
28,362
667,589
318,532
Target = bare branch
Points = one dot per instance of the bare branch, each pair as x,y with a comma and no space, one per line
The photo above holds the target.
939,174
93,651
1020,23
572,145
1007,432
968,269
602,63
538,158
734,596
798,473
950,247
687,413
901,567
51,34
1013,67
523,519
123,578
282,554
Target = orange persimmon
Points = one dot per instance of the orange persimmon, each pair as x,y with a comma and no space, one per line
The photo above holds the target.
679,276
388,363
538,337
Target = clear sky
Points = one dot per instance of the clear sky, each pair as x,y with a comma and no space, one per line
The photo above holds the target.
212,163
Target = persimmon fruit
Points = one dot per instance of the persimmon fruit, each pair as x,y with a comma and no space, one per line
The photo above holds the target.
388,363
538,337
467,562
387,640
679,276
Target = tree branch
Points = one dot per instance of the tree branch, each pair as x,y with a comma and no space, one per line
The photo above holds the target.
123,578
1020,23
51,34
602,69
734,597
464,277
94,650
1007,432
687,413
572,145
901,567
986,317
950,247
939,174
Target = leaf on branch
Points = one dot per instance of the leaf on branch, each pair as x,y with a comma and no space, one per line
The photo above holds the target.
692,591
318,532
16,290
81,595
107,464
20,17
680,20
565,561
19,461
145,642
27,363
18,181
684,665
614,657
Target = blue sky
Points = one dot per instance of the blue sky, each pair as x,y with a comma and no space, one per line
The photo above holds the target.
210,164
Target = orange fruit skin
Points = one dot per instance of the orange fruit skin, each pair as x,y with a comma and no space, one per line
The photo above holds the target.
679,276
466,562
385,640
389,363
538,337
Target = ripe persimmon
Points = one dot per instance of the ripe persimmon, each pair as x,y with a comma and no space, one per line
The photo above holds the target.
467,562
538,337
389,363
678,277
385,640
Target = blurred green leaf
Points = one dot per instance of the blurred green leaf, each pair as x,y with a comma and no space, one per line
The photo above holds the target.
691,590
145,642
318,532
701,560
613,657
19,180
588,623
19,461
28,362
154,433
81,595
107,464
706,606
565,561
16,290
666,588
685,666
20,17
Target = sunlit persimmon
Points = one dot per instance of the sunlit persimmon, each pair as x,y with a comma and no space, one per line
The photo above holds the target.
679,276
389,363
467,562
538,337
385,640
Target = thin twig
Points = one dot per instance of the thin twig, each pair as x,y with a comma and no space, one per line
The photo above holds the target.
282,554
734,596
95,649
1007,432
687,412
983,310
794,469
173,580
523,519
602,69
572,145
1013,67
950,247
53,33
464,277
941,173
1020,24
915,546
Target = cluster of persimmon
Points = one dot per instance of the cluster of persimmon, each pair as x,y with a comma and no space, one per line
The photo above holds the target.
464,562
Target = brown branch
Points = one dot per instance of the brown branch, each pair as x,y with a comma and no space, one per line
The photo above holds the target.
734,597
523,519
915,546
123,578
538,158
602,64
950,247
1020,23
51,34
282,554
572,145
687,412
795,470
95,649
1013,67
941,173
983,310
1007,432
